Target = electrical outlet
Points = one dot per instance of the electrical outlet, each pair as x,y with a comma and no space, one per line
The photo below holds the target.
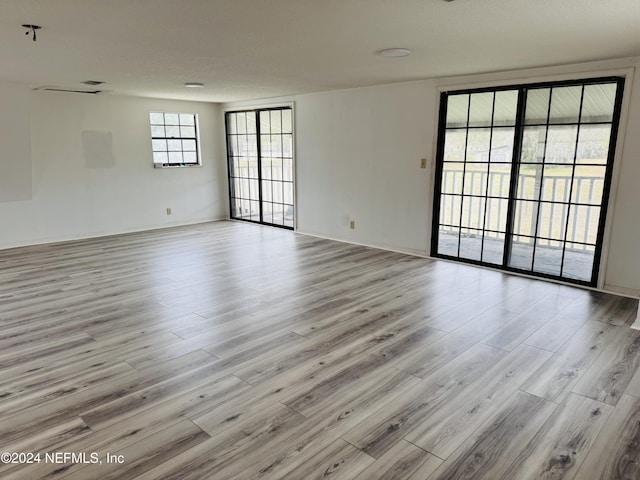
352,224
168,211
423,163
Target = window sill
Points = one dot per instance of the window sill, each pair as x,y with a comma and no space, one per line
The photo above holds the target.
178,165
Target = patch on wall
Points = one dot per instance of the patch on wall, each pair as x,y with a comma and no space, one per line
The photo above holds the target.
97,148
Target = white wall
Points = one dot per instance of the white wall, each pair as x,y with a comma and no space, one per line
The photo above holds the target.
358,157
623,262
358,154
73,196
15,143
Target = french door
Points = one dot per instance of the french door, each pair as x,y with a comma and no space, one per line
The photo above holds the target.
523,176
260,166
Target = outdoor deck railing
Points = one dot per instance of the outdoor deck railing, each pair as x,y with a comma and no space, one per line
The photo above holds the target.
556,223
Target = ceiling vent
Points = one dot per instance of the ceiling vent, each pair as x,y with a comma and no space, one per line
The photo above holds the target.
88,91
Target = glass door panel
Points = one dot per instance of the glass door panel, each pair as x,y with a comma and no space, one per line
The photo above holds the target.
260,162
565,214
523,176
475,175
242,152
276,137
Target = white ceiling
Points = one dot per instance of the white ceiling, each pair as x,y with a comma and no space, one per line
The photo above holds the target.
250,49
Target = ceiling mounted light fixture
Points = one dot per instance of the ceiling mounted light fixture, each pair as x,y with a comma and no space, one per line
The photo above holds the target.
394,52
31,29
194,85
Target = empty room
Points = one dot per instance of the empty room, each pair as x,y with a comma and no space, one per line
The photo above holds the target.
302,239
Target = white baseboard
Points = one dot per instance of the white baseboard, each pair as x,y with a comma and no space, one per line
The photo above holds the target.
72,237
636,325
406,251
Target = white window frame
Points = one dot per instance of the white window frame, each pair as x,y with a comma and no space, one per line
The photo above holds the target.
175,144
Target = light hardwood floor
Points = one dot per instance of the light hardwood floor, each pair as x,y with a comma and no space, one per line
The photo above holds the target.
235,351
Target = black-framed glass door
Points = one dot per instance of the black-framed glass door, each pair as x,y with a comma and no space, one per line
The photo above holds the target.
260,166
523,176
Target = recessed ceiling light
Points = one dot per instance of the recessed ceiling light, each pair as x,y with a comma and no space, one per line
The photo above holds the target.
394,52
194,85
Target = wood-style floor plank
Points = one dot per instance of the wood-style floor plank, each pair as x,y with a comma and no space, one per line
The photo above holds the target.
616,451
338,460
143,456
316,432
556,332
617,364
131,430
229,350
442,432
489,452
387,426
29,422
563,370
560,447
233,449
430,358
404,461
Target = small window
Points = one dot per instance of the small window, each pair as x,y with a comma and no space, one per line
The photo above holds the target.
174,139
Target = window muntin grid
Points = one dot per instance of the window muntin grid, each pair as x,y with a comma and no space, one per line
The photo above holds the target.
540,207
174,139
260,159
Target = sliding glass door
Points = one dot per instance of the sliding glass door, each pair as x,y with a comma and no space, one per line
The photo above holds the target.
475,175
260,162
523,176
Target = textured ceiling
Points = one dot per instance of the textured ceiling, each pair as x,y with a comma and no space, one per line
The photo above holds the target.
250,49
